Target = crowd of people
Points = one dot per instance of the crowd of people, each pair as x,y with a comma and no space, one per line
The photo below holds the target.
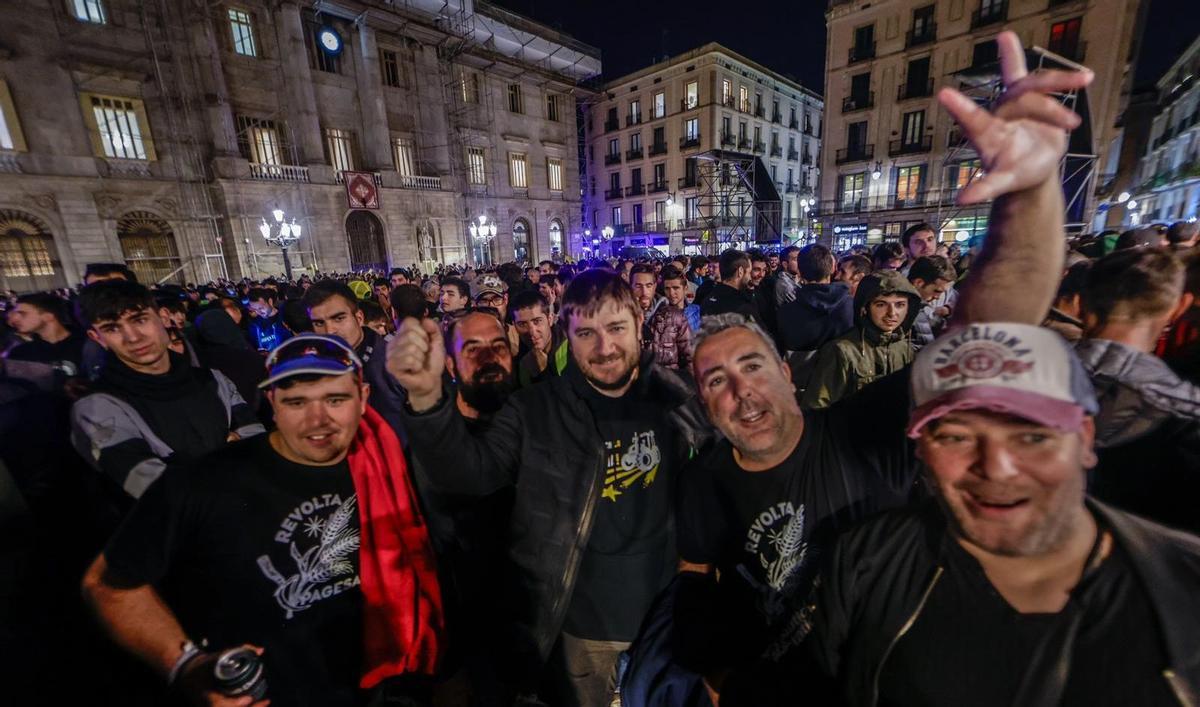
914,474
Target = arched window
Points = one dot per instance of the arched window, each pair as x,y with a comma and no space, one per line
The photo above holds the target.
148,246
368,250
28,258
556,235
520,233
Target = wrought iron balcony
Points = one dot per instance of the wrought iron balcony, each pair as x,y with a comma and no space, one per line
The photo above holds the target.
925,35
612,158
635,190
793,124
744,143
611,125
807,159
656,187
728,140
852,103
776,151
901,147
688,182
862,53
614,193
658,148
685,142
776,117
793,155
635,154
909,90
633,119
759,147
990,15
855,153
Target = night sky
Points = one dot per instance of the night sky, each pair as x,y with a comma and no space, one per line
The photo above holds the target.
787,36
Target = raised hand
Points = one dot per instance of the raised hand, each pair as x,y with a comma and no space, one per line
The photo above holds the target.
1021,142
416,358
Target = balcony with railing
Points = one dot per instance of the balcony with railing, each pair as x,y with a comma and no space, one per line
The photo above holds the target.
657,187
688,182
916,37
635,189
689,104
790,188
809,130
759,147
776,151
904,147
658,148
278,172
688,141
412,181
776,117
793,124
909,90
744,143
612,158
852,102
862,52
611,125
855,153
728,140
758,111
633,119
989,14
793,155
633,154
613,193
807,159
850,205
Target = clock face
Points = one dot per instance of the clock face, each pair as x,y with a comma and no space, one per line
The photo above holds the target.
330,40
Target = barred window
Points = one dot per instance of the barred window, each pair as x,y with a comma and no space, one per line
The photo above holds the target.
242,29
552,109
404,152
339,144
516,170
515,104
468,84
391,68
554,175
89,11
476,171
119,130
260,141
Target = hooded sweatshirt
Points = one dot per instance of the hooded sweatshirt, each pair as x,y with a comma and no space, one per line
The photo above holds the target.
220,345
864,354
818,314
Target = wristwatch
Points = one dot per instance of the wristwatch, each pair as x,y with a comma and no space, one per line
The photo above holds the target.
190,652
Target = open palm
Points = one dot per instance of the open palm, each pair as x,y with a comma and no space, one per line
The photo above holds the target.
1021,142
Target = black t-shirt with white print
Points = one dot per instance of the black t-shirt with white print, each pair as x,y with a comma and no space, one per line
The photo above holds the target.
247,547
765,531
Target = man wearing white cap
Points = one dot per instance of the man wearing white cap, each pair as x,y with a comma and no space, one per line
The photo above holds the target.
1013,588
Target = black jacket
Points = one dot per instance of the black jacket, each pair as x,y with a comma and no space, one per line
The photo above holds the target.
546,443
880,574
819,314
723,299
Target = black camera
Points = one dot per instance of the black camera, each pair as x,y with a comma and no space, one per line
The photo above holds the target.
239,672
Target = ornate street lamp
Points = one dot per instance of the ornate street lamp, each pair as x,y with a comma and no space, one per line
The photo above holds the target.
282,234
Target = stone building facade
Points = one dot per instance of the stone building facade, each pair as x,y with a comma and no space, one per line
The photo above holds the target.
164,134
644,132
895,157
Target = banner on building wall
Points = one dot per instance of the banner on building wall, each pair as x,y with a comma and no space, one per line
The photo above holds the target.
361,192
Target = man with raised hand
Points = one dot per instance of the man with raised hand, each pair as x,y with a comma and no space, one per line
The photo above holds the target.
594,456
787,480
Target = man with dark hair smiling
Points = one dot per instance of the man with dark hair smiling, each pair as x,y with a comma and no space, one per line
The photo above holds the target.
593,455
150,408
306,545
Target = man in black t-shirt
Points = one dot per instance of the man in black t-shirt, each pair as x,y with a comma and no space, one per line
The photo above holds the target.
43,317
259,545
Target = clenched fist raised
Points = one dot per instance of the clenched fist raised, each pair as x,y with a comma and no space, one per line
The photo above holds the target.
416,358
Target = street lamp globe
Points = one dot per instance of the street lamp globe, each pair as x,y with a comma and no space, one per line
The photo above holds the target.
1131,205
1123,197
278,214
607,232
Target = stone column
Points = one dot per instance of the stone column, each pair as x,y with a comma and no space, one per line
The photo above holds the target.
300,104
376,148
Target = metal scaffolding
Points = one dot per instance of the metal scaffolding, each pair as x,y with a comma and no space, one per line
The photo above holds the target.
738,202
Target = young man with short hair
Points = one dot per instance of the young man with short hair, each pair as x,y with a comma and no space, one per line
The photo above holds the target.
333,311
399,276
306,545
1066,314
888,255
150,409
456,295
99,272
851,269
789,276
933,276
732,293
43,318
547,346
821,310
548,288
266,325
919,241
666,332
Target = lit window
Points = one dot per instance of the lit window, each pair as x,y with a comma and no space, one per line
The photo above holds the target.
616,216
554,175
516,171
404,152
743,99
908,184
242,29
390,66
691,94
556,238
726,92
514,98
258,141
11,137
119,128
339,144
552,110
468,83
476,173
691,129
660,104
89,11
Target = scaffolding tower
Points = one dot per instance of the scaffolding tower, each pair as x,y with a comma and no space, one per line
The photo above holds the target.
738,202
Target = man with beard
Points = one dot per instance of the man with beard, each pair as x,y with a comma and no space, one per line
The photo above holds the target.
593,455
763,505
732,293
1047,580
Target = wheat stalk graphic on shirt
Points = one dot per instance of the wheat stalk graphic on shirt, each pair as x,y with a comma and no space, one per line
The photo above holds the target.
789,551
328,559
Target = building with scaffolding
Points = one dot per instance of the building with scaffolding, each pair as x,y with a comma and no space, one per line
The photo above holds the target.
1167,185
899,160
699,152
162,133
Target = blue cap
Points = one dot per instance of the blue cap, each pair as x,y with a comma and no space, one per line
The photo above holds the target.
308,355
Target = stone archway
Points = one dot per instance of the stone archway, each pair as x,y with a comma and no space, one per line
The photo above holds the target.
28,256
368,247
148,247
520,239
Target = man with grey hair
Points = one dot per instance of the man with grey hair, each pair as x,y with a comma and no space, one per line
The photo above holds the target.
758,509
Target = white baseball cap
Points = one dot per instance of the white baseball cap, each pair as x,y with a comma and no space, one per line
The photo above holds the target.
1016,369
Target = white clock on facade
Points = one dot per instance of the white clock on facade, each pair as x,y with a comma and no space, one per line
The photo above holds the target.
330,40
